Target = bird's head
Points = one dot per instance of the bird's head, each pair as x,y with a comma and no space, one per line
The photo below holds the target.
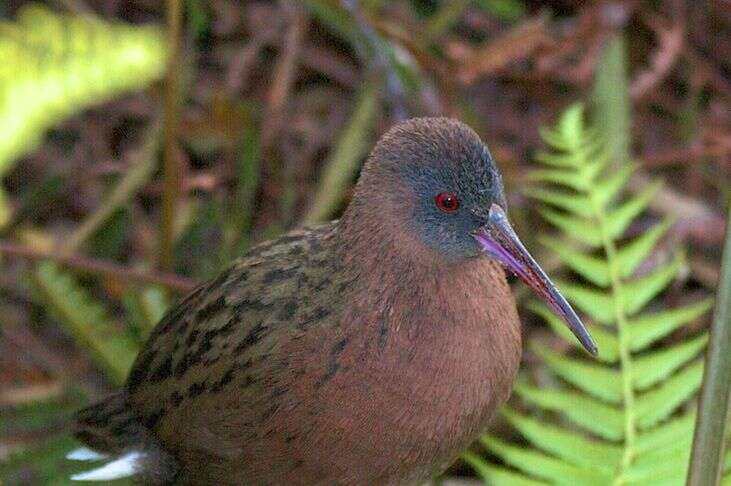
435,180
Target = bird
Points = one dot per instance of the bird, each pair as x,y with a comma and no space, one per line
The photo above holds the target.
369,350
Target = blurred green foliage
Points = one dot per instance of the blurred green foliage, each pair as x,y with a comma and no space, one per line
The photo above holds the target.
56,65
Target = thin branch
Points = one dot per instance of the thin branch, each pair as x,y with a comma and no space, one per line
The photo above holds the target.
283,76
141,169
171,176
670,44
100,267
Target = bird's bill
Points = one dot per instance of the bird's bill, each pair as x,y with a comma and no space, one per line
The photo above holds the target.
499,241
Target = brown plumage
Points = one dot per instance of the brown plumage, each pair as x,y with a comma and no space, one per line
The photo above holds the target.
372,350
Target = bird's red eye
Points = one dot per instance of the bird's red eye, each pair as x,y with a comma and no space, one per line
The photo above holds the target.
447,201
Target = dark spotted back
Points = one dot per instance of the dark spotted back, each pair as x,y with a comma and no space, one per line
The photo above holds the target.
222,335
108,426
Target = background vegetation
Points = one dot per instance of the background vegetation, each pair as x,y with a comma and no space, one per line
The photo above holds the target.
123,185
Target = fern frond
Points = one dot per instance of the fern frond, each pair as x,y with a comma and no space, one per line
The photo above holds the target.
56,65
617,420
85,319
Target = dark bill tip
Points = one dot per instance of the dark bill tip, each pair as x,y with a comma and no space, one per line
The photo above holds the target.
499,241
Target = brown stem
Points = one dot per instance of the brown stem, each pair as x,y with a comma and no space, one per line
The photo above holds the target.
101,267
284,74
171,176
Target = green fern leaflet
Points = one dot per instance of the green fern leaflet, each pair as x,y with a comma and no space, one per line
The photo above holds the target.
53,66
626,418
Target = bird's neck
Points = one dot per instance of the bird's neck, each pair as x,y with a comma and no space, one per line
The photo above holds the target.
427,304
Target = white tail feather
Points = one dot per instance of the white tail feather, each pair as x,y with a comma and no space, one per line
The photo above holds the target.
127,465
85,454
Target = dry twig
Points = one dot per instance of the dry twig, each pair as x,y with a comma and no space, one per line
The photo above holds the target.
95,266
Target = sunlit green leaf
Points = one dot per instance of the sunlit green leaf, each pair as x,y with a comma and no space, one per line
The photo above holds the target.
606,190
567,159
590,267
562,177
645,329
639,292
596,380
498,476
574,203
55,65
632,254
675,454
617,220
657,404
666,434
568,445
606,341
579,228
571,126
594,162
597,303
543,466
556,140
601,419
628,396
651,368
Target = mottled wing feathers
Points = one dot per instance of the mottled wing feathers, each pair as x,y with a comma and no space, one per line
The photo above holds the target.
229,331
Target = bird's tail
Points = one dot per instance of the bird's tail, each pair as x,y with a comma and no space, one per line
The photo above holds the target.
110,430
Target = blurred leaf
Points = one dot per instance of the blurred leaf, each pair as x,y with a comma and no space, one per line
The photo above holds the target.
645,329
638,250
335,18
85,319
611,99
569,445
199,17
444,19
240,214
658,403
605,341
619,219
637,293
128,185
543,466
600,419
498,476
571,202
594,379
344,160
54,66
145,307
204,232
598,304
578,228
653,367
591,268
505,10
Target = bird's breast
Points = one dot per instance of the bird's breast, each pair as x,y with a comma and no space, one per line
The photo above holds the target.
408,385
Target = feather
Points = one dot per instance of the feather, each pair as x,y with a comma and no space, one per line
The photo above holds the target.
85,454
127,465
